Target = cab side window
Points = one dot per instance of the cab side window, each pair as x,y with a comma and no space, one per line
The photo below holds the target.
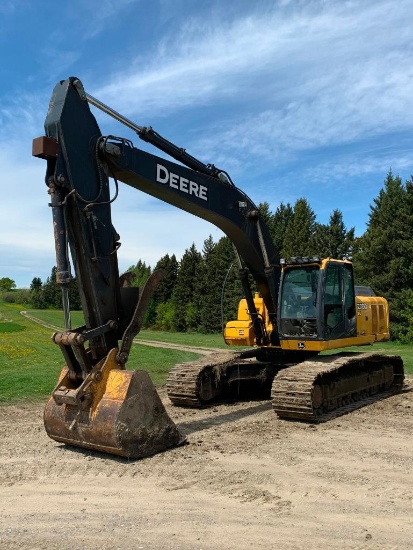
333,309
349,297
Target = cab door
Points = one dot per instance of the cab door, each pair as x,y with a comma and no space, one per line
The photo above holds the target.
339,301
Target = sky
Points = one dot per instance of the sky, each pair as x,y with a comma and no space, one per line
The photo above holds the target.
294,98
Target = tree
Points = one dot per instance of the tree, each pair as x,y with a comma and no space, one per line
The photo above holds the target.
36,284
165,316
158,315
266,215
7,284
52,295
36,293
299,233
203,288
230,287
333,240
140,272
165,289
136,276
49,294
383,260
211,274
183,294
282,217
74,297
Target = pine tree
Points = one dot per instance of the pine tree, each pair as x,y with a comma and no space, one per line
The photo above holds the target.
165,289
383,260
204,289
282,217
212,273
299,234
162,295
186,316
141,273
52,294
36,294
231,290
74,297
333,240
266,215
36,284
49,294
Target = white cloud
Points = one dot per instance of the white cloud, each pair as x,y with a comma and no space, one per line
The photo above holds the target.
26,230
148,228
327,73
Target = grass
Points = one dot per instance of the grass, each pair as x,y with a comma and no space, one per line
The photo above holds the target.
30,363
9,326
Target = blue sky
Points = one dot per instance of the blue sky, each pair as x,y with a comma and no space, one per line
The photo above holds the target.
304,98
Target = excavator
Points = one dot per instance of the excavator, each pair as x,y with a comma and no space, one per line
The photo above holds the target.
297,308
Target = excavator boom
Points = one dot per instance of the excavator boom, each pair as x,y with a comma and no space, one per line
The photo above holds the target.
95,395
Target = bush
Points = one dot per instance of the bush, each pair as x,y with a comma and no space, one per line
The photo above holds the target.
165,316
21,296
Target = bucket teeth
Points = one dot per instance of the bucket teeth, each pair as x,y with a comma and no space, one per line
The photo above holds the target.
125,417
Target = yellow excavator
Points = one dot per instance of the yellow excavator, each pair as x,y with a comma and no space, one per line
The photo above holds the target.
298,308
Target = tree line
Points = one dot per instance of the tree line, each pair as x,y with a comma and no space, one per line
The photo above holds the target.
201,291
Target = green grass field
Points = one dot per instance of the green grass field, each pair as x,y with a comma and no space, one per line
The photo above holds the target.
30,363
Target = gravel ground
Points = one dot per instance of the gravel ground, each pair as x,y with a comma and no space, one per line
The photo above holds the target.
245,480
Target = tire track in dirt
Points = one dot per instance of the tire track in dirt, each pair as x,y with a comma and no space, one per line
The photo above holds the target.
152,343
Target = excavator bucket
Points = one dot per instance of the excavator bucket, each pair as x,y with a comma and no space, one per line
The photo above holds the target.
114,411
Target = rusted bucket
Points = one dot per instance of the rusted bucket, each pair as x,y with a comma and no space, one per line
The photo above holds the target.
116,411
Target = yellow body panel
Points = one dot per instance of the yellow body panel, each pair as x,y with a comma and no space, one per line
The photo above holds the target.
372,317
323,345
240,332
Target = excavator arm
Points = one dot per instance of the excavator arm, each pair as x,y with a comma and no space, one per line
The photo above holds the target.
94,394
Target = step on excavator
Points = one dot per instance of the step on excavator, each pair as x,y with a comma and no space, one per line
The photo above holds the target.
298,308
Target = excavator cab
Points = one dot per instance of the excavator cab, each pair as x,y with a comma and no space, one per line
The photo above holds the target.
317,310
317,300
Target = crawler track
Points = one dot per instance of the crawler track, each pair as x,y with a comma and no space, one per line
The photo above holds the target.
329,386
311,390
212,377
